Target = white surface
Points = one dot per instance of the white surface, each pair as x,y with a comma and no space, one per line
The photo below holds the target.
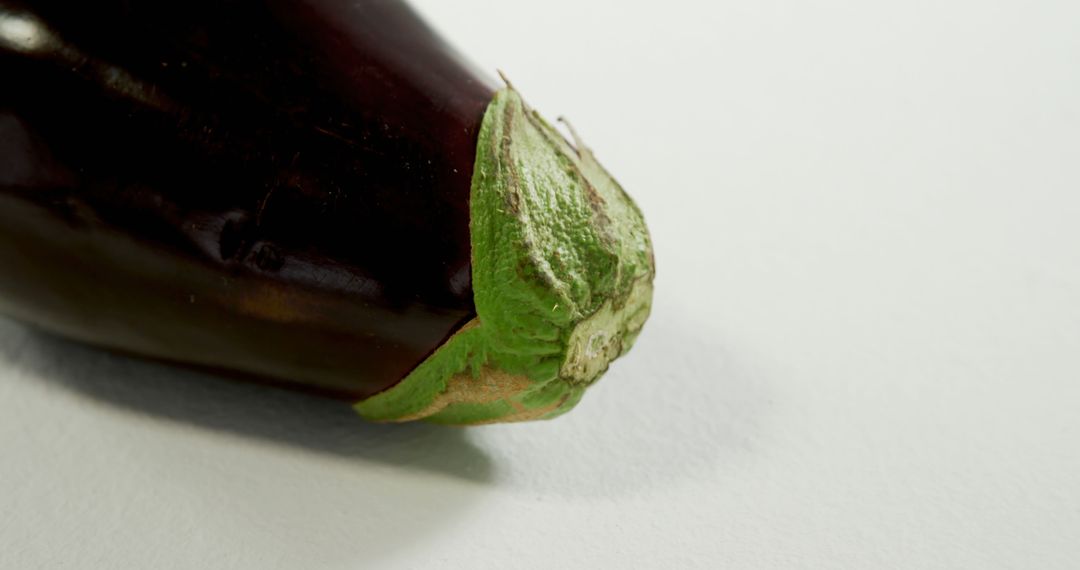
865,351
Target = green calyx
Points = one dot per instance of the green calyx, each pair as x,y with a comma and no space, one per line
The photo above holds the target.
562,281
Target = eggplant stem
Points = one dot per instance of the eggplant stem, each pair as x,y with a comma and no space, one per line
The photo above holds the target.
506,80
562,280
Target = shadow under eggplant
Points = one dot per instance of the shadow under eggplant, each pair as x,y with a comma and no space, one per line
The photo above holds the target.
207,400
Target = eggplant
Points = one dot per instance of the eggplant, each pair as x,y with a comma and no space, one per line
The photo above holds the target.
316,193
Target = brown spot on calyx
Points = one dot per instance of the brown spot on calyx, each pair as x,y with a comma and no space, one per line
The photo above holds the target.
492,385
513,200
513,203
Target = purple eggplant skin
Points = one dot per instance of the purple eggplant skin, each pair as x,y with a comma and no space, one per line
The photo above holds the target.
276,188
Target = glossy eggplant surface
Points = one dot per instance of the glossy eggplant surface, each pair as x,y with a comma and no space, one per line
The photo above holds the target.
279,188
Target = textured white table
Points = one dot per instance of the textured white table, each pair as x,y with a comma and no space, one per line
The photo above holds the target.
865,351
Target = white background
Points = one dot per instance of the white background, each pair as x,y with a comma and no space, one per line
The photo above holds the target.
865,349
